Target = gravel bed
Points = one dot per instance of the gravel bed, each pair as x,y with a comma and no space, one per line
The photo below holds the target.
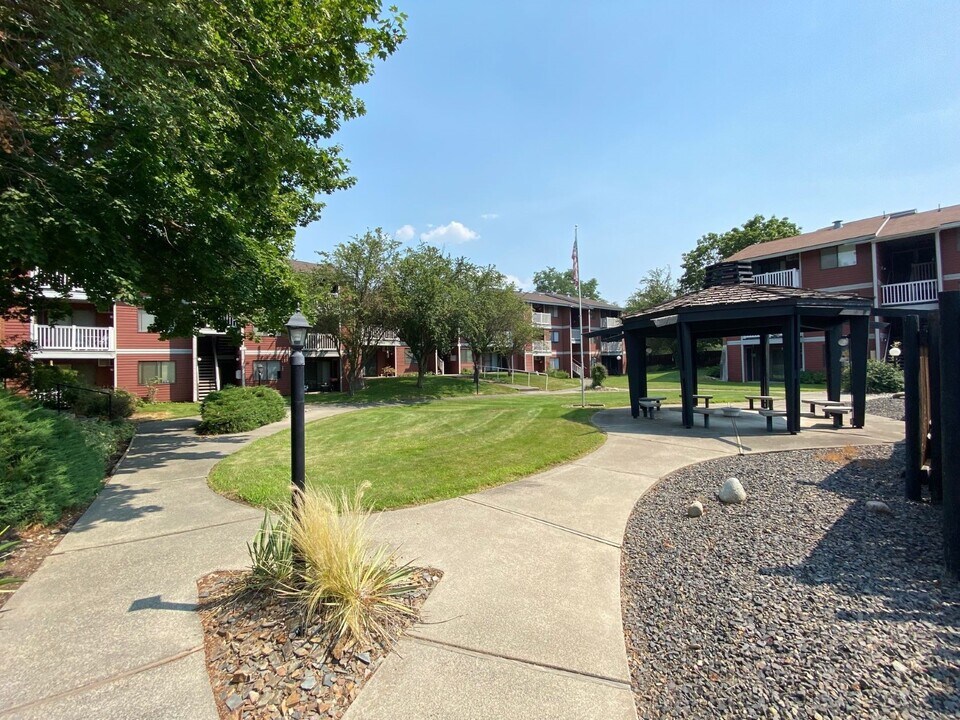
886,406
800,602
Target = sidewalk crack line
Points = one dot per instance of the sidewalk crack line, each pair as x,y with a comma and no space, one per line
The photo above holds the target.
564,528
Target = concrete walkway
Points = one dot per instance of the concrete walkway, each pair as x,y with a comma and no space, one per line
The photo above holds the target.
106,627
525,623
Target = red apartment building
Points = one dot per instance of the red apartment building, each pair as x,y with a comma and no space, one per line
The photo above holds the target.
115,349
900,260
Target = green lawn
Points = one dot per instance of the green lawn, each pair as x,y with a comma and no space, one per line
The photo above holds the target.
404,389
667,382
418,453
541,382
167,410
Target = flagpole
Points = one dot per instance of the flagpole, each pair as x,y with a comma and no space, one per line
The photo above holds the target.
583,369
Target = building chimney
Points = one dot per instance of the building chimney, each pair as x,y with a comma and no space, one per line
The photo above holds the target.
837,224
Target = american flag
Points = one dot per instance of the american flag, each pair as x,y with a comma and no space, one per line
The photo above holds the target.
576,264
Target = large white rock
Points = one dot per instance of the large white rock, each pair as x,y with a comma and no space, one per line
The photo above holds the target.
732,492
879,507
695,509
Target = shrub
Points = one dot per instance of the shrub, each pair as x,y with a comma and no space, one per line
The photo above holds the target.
347,582
812,377
271,552
239,409
5,547
713,371
882,377
113,404
559,374
48,462
598,373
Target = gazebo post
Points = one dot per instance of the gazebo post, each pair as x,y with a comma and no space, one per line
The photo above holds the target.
635,345
859,333
834,371
791,371
688,371
764,364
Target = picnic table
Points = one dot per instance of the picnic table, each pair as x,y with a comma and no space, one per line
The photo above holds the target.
649,404
706,400
823,403
766,401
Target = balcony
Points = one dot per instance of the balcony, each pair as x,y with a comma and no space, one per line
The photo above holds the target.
390,339
781,278
95,341
542,347
610,322
317,342
611,348
542,320
909,293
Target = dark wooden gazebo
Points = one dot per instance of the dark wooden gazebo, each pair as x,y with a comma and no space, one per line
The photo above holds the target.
742,308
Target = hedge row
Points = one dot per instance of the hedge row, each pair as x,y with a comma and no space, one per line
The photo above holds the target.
239,409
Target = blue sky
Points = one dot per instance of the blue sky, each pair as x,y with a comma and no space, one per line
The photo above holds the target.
498,126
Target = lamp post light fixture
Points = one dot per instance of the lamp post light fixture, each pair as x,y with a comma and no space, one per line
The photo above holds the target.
894,353
297,327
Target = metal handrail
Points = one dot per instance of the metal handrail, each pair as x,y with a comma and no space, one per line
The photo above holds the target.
61,386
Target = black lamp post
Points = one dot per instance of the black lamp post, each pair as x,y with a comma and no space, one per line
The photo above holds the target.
297,327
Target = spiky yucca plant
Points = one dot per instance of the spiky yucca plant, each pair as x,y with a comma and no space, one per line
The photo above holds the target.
347,582
271,552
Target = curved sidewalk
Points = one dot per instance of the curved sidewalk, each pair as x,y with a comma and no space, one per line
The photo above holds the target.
106,627
526,622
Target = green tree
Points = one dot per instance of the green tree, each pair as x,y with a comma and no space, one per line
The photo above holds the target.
426,290
492,317
352,295
561,281
169,148
655,288
713,247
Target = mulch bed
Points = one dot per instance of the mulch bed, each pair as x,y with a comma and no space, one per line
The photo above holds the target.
263,664
801,602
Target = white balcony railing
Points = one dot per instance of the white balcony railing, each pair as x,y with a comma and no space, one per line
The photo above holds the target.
542,320
541,347
610,322
390,338
318,342
909,293
781,278
611,348
73,338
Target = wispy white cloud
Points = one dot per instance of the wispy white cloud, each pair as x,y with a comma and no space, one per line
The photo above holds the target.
520,282
406,233
489,216
453,232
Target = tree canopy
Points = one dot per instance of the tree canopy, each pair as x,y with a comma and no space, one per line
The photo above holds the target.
656,287
162,152
561,281
713,247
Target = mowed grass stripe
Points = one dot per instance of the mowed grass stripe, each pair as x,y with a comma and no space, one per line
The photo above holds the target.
416,454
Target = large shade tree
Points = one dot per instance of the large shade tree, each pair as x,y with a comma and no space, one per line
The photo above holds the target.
167,149
714,247
352,295
561,281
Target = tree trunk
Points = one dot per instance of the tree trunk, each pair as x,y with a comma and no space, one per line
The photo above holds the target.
476,374
420,373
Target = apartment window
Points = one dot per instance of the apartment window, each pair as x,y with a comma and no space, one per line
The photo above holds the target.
266,370
408,357
838,257
467,355
554,311
555,336
144,320
555,363
163,372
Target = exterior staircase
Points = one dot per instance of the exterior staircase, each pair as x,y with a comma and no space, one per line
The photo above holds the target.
206,377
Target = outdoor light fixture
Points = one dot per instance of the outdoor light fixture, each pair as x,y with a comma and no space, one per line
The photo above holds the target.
297,327
843,341
894,352
649,351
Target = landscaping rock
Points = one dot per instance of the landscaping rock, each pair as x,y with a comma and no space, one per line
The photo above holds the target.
695,509
879,507
732,492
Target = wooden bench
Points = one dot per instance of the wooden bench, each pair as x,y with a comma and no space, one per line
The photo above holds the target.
824,403
766,401
837,411
706,412
770,414
648,405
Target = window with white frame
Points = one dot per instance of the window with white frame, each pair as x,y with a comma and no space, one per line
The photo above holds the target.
144,320
554,310
162,372
838,257
555,363
555,336
266,370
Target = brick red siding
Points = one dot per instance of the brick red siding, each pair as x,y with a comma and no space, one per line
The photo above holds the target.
950,251
180,391
812,276
130,338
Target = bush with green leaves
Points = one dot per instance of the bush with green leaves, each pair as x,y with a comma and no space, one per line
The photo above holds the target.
882,377
240,409
5,547
813,377
50,462
714,371
598,373
559,374
96,402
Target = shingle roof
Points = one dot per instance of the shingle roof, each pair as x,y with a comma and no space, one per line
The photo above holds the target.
566,301
881,226
745,294
302,266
